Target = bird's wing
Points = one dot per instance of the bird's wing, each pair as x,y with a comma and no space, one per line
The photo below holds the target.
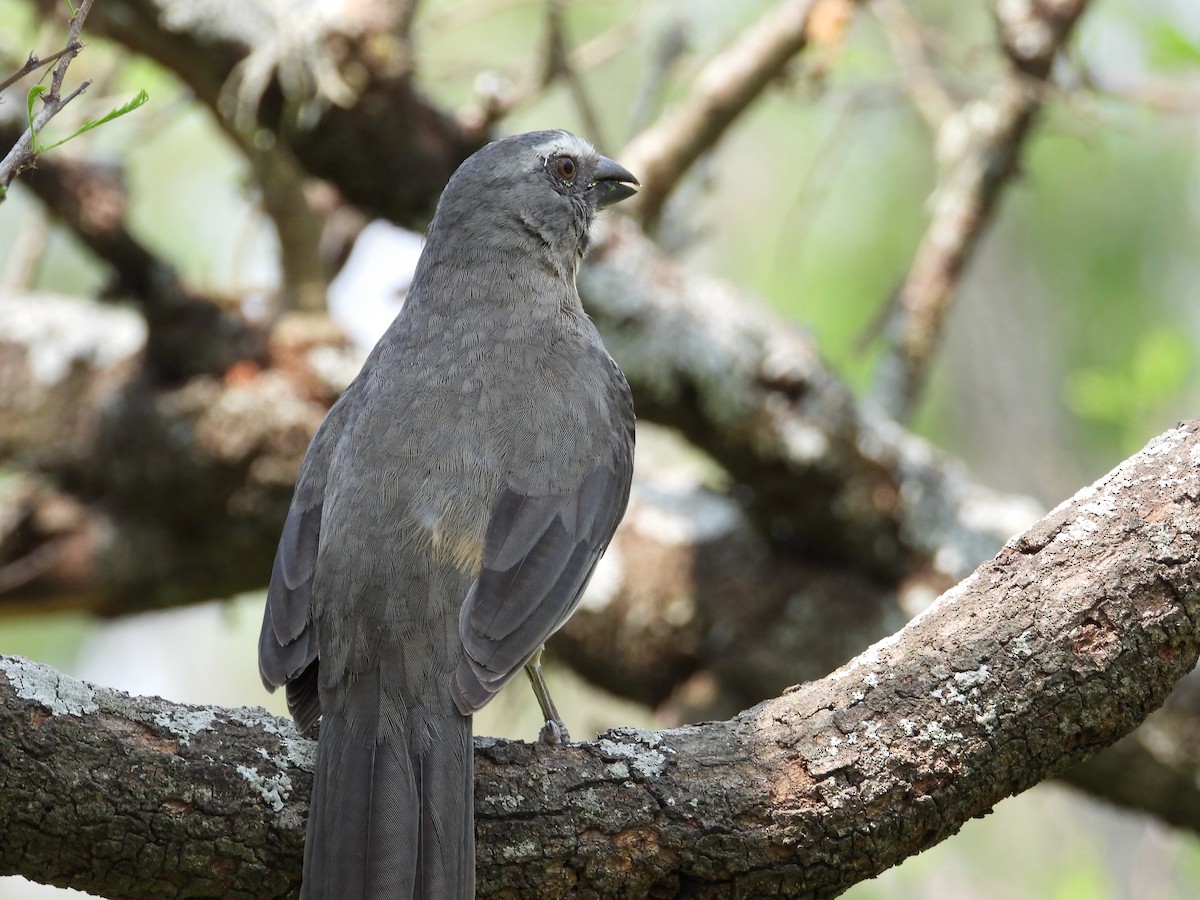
287,644
539,552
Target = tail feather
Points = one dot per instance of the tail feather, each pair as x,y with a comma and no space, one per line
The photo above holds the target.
447,838
389,820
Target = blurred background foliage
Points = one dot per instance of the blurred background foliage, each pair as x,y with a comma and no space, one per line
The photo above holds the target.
1075,336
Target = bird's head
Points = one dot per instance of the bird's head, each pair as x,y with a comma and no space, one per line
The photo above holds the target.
539,190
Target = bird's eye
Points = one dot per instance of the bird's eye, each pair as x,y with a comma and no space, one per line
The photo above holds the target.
564,167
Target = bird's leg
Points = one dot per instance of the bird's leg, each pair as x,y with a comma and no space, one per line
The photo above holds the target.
554,731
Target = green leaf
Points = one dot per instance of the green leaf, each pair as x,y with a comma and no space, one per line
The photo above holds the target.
34,92
1158,369
1099,396
72,8
1161,365
129,107
1171,48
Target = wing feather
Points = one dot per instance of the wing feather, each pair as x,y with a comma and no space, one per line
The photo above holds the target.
539,553
287,644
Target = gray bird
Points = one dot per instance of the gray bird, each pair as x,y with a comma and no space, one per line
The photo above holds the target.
448,515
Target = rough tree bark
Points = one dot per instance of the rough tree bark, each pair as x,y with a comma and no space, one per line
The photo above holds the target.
1056,648
1156,769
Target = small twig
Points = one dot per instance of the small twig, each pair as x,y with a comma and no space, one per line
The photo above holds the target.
305,274
1158,94
456,15
24,152
499,97
829,156
979,147
25,569
406,12
664,152
930,97
79,89
669,48
560,61
35,62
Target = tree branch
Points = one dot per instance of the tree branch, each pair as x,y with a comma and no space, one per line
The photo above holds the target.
188,333
806,424
180,488
979,147
1059,646
24,152
388,149
657,626
1156,769
662,153
821,477
818,473
34,62
497,97
929,96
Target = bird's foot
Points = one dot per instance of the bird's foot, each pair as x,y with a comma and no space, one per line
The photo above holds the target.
554,734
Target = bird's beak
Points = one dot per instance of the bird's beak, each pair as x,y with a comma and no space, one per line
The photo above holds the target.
612,183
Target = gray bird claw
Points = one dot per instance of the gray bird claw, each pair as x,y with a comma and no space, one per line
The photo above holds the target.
554,734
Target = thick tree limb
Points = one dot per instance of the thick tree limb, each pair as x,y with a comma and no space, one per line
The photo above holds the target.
177,491
1156,769
1059,646
818,473
658,628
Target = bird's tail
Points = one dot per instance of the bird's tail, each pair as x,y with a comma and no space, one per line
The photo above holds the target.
390,820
